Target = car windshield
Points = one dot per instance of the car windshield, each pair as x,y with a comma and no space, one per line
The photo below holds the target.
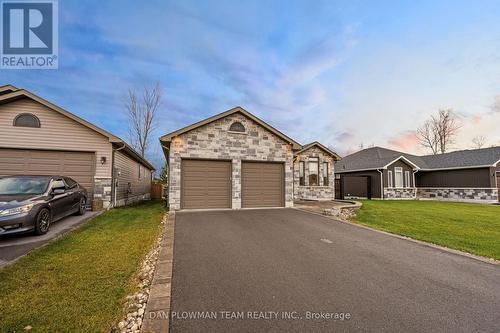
23,185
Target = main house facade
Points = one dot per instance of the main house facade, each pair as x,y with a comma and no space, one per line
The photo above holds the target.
40,138
235,160
379,173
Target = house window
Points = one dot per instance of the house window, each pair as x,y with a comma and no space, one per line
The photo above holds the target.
407,179
313,171
325,173
26,120
389,178
237,127
302,180
398,177
140,171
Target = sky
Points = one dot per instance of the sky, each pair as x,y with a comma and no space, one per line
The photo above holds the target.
345,73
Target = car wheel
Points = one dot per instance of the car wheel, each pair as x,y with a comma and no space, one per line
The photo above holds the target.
42,223
82,207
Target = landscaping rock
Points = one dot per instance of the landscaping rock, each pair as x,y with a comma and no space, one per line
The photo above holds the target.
136,303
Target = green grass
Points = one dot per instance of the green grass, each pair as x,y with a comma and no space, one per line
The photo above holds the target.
472,228
78,283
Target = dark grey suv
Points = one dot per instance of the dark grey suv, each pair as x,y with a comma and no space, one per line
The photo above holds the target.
32,203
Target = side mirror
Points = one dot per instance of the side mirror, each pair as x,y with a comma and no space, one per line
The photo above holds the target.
58,191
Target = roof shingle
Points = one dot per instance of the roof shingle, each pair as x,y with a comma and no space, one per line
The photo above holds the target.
378,157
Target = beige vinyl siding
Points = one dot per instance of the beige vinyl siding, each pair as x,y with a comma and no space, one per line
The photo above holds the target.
128,172
57,132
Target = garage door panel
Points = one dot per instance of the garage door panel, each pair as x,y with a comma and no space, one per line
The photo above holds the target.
205,184
77,165
262,184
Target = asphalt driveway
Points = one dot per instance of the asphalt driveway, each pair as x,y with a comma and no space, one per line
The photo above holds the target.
285,270
14,246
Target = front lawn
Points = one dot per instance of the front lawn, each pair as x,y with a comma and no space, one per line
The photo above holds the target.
78,283
472,228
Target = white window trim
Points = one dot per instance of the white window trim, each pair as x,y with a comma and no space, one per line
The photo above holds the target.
313,159
399,170
407,179
389,178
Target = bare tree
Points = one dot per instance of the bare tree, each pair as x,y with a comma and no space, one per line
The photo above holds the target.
142,115
495,107
479,141
439,132
427,136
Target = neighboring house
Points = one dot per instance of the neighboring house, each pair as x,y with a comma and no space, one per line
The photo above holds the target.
379,173
313,172
39,138
235,160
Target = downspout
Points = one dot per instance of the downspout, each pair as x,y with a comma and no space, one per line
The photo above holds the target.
381,184
113,178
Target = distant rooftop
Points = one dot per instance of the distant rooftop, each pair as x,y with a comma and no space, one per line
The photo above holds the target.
378,158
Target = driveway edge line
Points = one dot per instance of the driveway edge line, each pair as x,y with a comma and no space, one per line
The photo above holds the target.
431,245
157,314
66,232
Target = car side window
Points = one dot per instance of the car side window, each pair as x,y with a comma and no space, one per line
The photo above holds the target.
70,182
58,183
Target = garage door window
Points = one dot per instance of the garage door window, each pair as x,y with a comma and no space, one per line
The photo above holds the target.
313,171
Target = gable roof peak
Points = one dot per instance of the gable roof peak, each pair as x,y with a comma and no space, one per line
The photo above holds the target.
324,148
168,137
13,95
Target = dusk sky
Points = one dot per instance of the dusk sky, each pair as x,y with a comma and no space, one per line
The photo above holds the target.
340,72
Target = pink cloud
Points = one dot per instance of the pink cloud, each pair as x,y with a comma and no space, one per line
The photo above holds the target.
477,118
406,141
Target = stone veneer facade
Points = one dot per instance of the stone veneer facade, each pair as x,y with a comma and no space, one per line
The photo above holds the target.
215,141
321,192
481,195
408,193
102,190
